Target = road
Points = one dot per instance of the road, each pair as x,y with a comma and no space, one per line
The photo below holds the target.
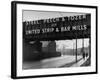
52,62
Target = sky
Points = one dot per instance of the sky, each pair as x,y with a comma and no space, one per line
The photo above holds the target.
31,15
70,44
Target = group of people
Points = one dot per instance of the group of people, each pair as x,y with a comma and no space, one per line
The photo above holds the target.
84,55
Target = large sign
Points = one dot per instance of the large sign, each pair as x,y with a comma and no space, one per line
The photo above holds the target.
58,28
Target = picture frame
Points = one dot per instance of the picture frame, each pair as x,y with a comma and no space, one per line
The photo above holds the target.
50,39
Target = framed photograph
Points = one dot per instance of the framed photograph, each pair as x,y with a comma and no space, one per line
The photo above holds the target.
53,39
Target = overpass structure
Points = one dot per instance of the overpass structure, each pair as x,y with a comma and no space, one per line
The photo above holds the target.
60,28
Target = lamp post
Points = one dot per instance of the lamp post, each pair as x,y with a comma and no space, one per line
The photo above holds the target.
76,49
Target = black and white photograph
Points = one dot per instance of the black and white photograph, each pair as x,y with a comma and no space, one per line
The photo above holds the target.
56,39
53,39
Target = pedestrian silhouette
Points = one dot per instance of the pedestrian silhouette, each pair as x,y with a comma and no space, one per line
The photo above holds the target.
83,55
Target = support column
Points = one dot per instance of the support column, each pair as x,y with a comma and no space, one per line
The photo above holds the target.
76,46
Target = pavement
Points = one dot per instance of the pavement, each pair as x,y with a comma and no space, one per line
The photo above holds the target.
81,62
87,62
57,62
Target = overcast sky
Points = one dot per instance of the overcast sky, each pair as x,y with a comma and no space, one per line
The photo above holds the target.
70,44
37,15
